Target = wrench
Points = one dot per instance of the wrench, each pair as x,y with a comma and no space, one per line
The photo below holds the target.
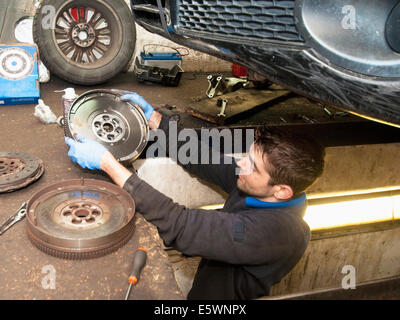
222,113
18,216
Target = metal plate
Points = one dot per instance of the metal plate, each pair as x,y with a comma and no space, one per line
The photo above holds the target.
15,63
80,219
120,126
17,170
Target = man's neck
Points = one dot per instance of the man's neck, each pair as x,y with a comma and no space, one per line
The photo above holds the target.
269,199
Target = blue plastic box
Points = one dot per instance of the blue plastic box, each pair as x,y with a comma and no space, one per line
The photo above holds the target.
19,74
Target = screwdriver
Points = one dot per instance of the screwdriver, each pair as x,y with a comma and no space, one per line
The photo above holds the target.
139,261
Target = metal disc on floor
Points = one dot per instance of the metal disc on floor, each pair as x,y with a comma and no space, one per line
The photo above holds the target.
100,115
17,170
80,219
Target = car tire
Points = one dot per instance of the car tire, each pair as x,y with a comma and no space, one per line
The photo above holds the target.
85,42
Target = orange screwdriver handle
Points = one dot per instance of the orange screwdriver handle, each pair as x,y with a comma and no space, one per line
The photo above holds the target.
139,261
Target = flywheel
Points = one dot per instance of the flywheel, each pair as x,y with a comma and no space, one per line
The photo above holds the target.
17,170
100,115
80,219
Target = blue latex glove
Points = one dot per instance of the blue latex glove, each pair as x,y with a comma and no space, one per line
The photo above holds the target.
86,153
135,98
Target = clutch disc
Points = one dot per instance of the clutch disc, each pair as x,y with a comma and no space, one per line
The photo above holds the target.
80,219
17,170
100,115
15,63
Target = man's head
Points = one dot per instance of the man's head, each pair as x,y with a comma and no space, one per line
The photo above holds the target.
280,165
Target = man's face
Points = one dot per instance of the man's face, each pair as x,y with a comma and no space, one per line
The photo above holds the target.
253,177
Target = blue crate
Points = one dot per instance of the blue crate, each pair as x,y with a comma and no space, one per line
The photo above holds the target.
19,87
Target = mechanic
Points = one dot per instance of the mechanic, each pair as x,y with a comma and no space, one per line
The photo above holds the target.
258,236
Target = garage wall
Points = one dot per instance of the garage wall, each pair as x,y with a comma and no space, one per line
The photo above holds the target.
359,167
374,256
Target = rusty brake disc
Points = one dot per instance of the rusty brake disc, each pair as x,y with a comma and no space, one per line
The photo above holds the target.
80,219
17,170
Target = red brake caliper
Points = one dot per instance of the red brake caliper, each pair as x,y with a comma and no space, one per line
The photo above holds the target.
74,13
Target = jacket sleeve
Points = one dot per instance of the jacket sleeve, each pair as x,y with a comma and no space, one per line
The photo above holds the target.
211,234
203,161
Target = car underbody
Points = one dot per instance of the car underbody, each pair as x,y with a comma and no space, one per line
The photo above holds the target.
310,47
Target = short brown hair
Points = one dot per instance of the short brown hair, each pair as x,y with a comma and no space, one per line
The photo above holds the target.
294,160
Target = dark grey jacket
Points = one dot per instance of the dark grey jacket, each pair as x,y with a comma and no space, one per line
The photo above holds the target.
246,247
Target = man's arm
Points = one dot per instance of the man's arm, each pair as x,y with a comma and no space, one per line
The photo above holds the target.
202,164
116,171
222,173
216,235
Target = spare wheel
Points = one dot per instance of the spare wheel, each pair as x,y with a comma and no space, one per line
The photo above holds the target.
85,42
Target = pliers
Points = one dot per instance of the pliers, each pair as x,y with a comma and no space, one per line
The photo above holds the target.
18,216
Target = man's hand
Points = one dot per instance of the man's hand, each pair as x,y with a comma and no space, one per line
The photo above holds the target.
152,116
135,98
86,153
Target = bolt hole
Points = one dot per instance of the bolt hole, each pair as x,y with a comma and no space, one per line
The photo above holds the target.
82,213
108,127
76,221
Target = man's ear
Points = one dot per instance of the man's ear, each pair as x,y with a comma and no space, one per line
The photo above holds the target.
283,192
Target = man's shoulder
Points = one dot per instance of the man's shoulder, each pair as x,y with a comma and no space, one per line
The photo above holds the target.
284,223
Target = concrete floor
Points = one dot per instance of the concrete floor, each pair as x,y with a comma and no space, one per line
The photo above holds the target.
21,264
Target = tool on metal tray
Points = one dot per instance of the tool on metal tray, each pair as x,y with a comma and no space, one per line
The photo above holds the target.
306,119
18,216
223,107
218,85
139,261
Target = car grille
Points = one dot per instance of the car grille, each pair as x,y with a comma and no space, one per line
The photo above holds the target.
246,19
